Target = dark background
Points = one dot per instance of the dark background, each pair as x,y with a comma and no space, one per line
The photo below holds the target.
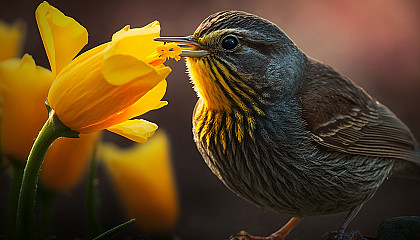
376,43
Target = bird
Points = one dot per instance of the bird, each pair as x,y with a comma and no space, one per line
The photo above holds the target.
285,131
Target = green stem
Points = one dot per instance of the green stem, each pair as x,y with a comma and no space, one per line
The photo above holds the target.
93,225
25,215
10,223
51,130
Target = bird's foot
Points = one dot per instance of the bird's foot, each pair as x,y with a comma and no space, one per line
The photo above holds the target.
242,235
337,235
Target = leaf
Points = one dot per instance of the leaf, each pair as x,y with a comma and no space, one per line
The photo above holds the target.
114,232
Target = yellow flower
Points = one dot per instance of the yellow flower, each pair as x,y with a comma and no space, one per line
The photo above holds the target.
66,162
145,183
11,39
23,89
108,85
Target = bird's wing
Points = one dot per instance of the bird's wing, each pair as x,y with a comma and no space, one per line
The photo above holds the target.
342,116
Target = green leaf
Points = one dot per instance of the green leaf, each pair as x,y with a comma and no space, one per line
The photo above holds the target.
114,232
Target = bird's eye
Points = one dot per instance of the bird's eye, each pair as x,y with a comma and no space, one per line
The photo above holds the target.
229,42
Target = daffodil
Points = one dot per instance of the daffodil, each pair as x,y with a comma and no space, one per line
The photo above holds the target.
106,86
11,39
144,182
101,89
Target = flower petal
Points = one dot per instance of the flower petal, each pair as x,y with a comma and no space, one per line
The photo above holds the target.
121,69
138,130
136,42
63,37
125,58
150,101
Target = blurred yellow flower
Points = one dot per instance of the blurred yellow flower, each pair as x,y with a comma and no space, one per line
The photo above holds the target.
108,85
144,181
66,162
11,39
23,89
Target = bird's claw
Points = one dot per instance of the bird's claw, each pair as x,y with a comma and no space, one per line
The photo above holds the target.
242,235
355,235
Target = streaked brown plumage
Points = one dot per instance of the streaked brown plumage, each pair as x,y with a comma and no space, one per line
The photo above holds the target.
284,131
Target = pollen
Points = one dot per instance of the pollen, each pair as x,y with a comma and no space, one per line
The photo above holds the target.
169,50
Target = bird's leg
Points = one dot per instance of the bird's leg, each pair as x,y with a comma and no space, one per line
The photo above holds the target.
279,235
349,218
285,230
340,234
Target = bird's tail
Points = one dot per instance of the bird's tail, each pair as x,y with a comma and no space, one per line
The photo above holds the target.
406,169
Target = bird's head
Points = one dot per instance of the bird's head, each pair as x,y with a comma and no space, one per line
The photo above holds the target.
237,60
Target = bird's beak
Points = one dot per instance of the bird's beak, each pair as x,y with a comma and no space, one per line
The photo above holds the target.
190,48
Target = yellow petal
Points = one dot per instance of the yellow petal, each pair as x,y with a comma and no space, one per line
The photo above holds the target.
144,182
121,69
63,37
137,42
11,39
84,57
150,101
125,58
138,130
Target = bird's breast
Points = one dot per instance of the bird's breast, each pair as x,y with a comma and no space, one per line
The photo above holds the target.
219,128
206,86
222,87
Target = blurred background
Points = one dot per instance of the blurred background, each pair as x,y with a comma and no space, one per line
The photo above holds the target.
376,43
